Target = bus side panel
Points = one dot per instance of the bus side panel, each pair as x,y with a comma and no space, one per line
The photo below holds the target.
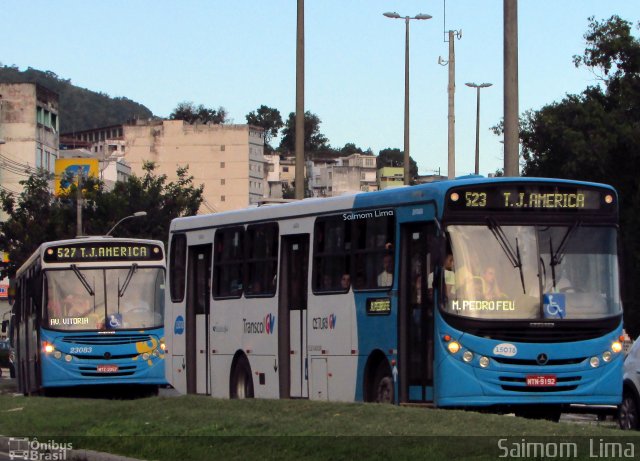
249,327
376,332
174,336
332,336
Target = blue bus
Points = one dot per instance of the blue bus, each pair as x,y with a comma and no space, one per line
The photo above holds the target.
499,293
87,312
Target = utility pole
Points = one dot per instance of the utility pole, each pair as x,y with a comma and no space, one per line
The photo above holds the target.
299,144
451,90
79,205
511,122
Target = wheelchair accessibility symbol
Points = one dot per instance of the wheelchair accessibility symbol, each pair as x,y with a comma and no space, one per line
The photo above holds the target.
554,305
115,321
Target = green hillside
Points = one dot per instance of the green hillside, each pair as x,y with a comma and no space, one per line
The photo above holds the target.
80,109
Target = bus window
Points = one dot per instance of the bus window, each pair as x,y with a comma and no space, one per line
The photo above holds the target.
228,261
262,260
177,269
373,251
331,258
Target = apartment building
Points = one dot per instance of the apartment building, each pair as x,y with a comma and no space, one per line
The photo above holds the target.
343,175
227,159
29,133
389,177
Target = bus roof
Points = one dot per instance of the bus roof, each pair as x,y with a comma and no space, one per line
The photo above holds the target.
388,197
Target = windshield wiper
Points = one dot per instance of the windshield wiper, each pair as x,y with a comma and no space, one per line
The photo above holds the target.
556,258
513,255
125,284
82,279
558,255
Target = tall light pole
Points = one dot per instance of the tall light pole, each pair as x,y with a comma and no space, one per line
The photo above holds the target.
511,121
299,117
406,87
478,88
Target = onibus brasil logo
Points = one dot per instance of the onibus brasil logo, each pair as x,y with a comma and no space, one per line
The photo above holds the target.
32,449
267,325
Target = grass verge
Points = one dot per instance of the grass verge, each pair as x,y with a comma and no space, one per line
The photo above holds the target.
199,428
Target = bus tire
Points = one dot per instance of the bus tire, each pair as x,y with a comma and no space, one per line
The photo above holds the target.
241,383
628,411
383,389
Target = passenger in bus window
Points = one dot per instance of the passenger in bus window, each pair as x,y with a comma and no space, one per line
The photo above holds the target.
345,282
77,304
326,283
490,284
385,278
449,279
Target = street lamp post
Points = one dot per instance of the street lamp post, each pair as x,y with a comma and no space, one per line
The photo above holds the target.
137,214
406,86
478,88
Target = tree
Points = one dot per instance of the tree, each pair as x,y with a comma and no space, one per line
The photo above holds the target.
395,158
37,216
314,141
350,148
191,114
269,119
595,136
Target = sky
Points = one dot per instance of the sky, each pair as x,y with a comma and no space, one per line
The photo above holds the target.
241,54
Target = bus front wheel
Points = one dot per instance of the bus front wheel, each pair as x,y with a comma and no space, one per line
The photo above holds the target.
241,386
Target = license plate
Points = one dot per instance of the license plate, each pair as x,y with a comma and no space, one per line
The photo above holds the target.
541,380
107,368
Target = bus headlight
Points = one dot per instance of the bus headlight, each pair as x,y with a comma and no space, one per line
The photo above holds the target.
606,356
68,358
47,347
57,354
594,362
145,356
454,347
484,362
467,356
616,347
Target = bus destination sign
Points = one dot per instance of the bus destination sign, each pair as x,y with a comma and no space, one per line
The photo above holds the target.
531,197
103,251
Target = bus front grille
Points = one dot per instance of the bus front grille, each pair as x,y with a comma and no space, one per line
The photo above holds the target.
101,340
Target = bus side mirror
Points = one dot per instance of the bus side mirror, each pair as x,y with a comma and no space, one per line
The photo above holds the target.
5,324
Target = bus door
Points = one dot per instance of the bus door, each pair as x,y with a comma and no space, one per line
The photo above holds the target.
292,316
416,328
197,319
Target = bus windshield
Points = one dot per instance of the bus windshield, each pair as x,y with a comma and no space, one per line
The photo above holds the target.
99,299
533,272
